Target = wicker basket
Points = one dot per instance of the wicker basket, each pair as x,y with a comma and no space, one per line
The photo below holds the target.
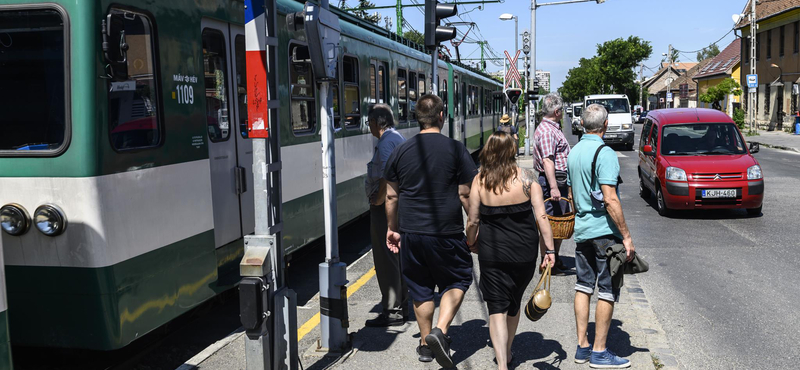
564,225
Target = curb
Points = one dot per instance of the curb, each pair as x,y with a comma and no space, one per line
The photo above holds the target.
660,351
780,147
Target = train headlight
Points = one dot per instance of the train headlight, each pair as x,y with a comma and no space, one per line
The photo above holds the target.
14,219
50,220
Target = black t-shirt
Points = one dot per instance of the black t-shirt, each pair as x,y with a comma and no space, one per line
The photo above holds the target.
428,169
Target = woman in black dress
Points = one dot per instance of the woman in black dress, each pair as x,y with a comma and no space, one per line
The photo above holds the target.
506,205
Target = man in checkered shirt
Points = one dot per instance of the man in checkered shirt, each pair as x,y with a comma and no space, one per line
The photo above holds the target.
550,160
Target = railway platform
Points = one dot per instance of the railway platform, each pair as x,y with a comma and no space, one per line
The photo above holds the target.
547,344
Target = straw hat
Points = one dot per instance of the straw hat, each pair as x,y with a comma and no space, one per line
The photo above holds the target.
505,118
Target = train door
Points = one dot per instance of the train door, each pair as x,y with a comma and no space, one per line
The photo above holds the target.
229,154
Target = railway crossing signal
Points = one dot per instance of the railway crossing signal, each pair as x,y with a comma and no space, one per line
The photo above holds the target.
434,33
513,95
512,73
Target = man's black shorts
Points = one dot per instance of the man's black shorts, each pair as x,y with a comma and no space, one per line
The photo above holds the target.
435,261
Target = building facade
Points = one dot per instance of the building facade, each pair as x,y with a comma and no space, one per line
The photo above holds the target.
544,79
777,60
723,66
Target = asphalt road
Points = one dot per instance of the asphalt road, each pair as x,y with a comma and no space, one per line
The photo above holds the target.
722,284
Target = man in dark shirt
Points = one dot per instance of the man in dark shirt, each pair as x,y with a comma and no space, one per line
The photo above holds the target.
429,178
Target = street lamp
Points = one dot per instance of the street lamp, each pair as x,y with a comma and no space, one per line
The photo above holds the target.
508,17
780,73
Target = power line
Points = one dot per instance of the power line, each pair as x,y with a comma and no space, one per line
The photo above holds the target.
720,39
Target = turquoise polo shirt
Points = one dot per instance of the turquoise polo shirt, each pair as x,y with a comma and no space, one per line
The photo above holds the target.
591,223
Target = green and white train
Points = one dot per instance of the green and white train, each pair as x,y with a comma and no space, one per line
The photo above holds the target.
125,178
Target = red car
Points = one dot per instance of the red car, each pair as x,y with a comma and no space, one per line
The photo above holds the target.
698,159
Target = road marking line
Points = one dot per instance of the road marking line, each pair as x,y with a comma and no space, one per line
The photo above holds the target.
621,155
314,320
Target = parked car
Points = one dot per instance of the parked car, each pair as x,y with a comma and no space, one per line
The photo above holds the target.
620,122
577,126
698,159
641,117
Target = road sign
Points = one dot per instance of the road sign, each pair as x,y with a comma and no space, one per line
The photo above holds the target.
669,96
513,73
752,81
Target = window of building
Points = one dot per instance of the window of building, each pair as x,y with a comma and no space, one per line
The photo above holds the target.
746,51
758,47
216,78
782,41
133,104
301,79
34,64
352,92
402,94
769,44
796,43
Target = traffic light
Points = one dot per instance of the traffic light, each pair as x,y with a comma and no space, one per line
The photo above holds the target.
513,95
532,95
434,33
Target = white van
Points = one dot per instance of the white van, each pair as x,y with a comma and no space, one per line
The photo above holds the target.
620,124
577,127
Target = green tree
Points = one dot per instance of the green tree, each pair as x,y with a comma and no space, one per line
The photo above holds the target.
611,71
709,52
716,93
415,36
373,18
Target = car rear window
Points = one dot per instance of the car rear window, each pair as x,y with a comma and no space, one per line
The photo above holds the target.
702,139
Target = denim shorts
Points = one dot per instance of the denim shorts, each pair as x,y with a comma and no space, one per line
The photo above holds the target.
554,208
593,268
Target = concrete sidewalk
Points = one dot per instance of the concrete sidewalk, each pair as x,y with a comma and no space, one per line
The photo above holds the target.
777,140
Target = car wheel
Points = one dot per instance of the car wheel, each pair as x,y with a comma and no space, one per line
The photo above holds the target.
644,192
754,211
662,204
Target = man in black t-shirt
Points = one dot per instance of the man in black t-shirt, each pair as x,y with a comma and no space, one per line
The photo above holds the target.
429,178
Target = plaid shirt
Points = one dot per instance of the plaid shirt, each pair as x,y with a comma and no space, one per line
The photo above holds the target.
550,143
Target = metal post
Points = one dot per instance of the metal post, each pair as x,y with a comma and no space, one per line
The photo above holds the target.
435,71
531,122
332,272
753,93
669,79
399,18
268,307
516,45
525,89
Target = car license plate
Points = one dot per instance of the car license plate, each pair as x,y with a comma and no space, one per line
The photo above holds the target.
719,193
609,136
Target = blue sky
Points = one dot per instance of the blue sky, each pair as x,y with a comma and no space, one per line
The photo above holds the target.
566,33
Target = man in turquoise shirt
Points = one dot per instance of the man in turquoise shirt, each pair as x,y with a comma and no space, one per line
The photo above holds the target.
599,224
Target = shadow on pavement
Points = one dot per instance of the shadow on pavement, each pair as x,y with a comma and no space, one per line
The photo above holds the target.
703,214
618,341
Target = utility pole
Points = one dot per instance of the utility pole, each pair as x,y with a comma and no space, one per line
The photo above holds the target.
531,82
641,86
483,60
268,308
526,48
669,78
753,93
399,18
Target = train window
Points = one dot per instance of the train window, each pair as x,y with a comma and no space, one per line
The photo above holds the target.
373,84
241,84
412,94
402,90
443,92
303,106
421,87
34,64
133,103
352,93
382,84
216,77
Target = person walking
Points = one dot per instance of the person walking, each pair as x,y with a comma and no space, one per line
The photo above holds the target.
550,161
429,178
503,201
599,224
394,293
507,127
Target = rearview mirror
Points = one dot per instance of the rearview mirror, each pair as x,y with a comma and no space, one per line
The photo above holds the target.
115,47
648,150
755,148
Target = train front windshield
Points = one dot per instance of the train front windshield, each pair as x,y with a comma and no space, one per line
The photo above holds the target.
32,80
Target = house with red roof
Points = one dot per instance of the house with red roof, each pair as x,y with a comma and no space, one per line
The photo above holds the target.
727,64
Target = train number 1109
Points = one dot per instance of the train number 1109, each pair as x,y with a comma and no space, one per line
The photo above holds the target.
185,94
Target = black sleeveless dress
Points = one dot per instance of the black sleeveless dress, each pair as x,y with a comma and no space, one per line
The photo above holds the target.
508,249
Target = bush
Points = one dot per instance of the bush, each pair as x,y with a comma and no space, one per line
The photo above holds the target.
738,118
